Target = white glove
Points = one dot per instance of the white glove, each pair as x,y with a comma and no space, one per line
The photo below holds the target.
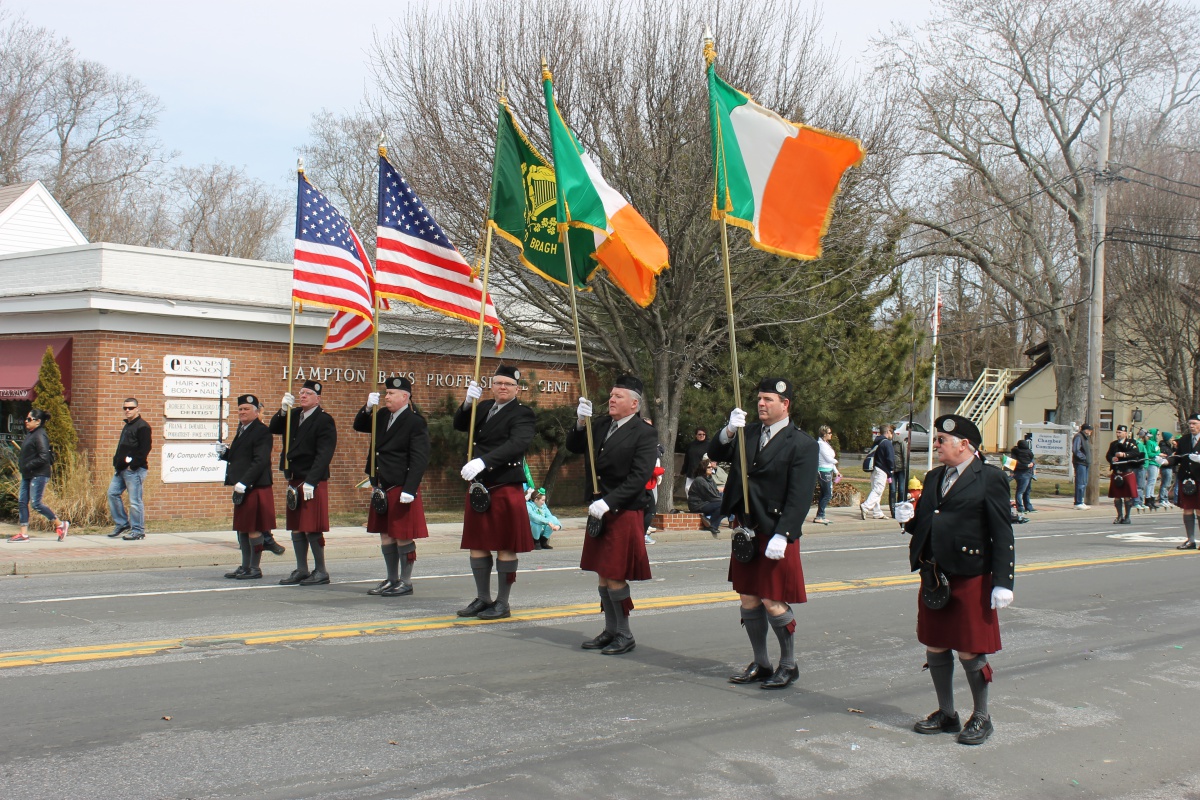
288,401
372,400
1001,597
1162,461
239,487
220,448
406,498
598,509
584,409
472,468
129,459
474,392
309,491
737,419
776,547
1194,457
904,512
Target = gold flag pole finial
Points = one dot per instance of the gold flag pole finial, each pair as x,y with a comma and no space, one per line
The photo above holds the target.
710,50
383,144
300,165
546,76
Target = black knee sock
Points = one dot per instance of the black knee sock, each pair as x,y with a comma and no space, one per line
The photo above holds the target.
481,568
300,549
610,614
506,575
391,557
978,678
408,557
754,620
244,546
784,625
617,598
941,669
1189,525
256,548
318,550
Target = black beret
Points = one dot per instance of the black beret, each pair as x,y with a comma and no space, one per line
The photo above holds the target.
779,386
1193,417
248,400
630,382
314,385
1087,426
1123,428
398,382
958,426
504,370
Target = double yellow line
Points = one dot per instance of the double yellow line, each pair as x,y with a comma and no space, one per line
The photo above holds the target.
99,652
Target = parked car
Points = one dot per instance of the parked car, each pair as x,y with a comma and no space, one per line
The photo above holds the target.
920,436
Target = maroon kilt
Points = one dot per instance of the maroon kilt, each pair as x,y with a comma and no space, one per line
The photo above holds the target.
256,514
504,526
313,515
619,553
781,581
404,520
968,623
1186,501
1122,484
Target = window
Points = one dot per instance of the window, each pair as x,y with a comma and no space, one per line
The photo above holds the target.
1050,416
1106,417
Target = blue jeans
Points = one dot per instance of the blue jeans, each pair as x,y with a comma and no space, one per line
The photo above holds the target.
1024,481
1081,476
131,480
1140,477
711,512
825,479
1150,477
31,491
1168,479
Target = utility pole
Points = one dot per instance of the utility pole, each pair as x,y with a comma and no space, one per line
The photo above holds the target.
1096,318
936,322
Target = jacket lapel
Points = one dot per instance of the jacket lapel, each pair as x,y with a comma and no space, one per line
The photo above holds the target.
767,454
964,477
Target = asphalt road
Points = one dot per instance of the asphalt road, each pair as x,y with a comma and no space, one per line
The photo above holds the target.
286,692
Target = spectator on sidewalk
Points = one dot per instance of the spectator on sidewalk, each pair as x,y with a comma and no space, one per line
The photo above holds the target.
896,491
1023,472
541,520
704,498
1166,449
826,470
1147,481
129,474
1081,454
35,463
884,458
697,451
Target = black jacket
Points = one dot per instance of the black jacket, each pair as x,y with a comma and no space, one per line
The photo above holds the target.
135,443
1023,455
968,532
885,456
782,479
704,490
694,454
249,456
35,454
1127,453
624,463
501,441
1184,468
401,452
312,445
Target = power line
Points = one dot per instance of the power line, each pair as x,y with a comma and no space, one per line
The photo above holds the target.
1163,189
1156,175
1006,206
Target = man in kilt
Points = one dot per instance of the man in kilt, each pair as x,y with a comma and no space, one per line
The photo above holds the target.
309,446
504,429
960,529
249,473
781,467
401,456
1186,462
626,448
1124,456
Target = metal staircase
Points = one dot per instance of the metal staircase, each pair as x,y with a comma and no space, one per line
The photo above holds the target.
985,396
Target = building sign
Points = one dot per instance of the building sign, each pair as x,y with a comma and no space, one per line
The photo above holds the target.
196,365
191,463
194,409
1049,444
195,387
193,429
442,380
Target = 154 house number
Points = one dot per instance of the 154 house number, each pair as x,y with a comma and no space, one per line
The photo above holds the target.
123,365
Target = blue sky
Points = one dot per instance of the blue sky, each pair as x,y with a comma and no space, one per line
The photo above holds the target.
240,80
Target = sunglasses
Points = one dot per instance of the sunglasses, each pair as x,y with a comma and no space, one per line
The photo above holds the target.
30,419
942,439
129,408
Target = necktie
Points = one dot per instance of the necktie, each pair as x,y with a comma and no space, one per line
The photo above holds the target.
949,479
392,419
611,430
492,412
766,437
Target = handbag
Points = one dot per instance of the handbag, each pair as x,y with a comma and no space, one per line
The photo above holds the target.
293,498
935,586
595,526
239,498
481,499
379,502
742,545
1187,487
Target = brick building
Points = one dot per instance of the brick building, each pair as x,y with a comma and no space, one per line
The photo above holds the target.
157,325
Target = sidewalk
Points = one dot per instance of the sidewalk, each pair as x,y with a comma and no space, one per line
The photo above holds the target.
43,554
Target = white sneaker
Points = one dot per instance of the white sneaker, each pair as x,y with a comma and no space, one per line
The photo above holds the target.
652,529
648,539
1082,506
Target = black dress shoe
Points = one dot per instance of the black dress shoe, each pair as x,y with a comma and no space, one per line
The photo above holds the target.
976,731
546,545
118,532
275,547
133,536
603,640
782,678
498,610
1123,522
316,578
474,608
254,573
752,674
1187,546
236,573
620,644
939,722
295,578
399,590
383,586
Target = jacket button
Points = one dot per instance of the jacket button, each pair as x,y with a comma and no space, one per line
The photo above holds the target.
937,511
1010,547
964,549
1010,577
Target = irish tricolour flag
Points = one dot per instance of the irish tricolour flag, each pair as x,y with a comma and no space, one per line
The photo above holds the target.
774,177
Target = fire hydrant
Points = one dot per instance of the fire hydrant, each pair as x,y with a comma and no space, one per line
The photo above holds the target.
914,489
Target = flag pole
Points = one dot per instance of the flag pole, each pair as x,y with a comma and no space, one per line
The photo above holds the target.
375,353
487,263
287,429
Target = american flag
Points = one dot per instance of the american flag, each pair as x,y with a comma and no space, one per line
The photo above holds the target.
332,269
418,264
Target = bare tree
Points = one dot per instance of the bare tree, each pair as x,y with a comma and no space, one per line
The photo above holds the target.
629,79
220,210
1002,96
340,158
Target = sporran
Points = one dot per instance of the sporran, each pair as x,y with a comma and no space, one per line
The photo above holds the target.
239,498
935,586
743,547
379,501
293,498
481,499
595,526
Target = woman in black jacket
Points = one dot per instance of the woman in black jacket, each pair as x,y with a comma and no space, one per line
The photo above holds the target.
704,497
1022,452
35,463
